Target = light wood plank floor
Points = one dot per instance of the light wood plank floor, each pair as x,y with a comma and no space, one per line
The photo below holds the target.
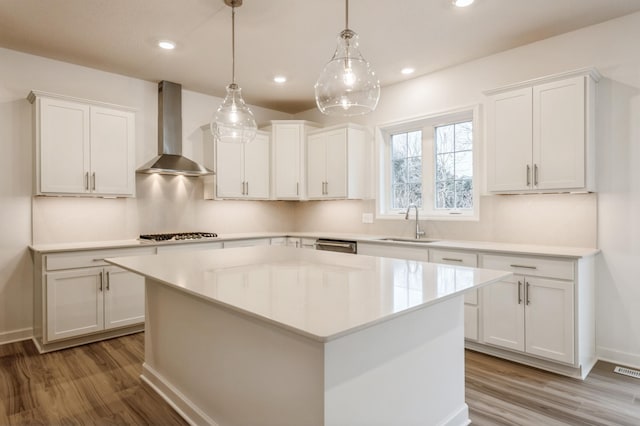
99,384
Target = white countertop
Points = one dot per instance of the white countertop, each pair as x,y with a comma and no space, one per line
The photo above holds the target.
322,295
483,246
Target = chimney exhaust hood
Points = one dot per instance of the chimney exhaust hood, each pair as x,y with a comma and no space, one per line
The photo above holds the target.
170,160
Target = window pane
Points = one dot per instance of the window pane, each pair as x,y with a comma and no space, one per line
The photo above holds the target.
399,146
414,171
444,139
463,136
464,194
444,167
399,171
414,144
406,169
464,165
445,194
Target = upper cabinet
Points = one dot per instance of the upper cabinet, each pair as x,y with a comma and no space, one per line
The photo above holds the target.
242,170
336,163
83,147
288,158
541,135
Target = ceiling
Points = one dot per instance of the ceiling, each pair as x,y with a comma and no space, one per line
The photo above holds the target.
294,38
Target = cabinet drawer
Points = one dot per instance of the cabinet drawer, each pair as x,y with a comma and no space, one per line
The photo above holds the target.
453,257
538,267
85,259
186,247
247,243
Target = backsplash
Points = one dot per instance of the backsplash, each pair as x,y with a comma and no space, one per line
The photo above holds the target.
544,219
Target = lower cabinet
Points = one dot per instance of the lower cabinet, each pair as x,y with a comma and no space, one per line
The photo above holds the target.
531,315
80,298
92,300
544,311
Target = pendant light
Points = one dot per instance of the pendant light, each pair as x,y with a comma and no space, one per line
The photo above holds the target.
347,85
233,121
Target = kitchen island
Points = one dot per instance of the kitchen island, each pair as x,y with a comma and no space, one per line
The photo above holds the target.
284,336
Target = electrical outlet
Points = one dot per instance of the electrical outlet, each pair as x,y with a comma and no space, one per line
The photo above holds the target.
367,217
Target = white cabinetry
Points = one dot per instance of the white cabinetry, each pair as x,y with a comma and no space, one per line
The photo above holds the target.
242,170
336,163
541,135
529,313
288,158
79,298
471,305
83,147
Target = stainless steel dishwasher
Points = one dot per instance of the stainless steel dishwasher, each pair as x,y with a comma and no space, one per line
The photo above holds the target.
341,246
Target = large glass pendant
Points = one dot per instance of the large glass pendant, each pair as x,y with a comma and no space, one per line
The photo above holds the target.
233,121
347,84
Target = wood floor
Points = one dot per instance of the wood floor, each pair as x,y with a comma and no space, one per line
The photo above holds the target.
99,384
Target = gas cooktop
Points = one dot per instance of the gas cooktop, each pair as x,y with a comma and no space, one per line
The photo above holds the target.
178,236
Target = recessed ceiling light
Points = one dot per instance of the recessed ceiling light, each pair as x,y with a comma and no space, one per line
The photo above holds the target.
167,44
407,70
462,3
280,79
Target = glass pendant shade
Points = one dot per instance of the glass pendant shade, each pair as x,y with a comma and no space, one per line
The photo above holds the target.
347,84
233,121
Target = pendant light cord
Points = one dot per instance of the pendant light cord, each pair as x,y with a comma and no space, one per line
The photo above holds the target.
233,45
346,14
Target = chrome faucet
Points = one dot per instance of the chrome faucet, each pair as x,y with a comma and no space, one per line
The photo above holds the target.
419,233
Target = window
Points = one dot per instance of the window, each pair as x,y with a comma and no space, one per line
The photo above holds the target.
430,162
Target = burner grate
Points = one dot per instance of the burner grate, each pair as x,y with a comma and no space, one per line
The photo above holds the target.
178,236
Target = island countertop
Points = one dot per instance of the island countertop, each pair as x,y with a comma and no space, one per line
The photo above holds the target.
321,295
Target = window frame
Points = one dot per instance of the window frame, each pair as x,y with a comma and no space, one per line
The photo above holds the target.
427,125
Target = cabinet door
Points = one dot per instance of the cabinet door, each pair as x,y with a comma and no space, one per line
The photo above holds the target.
112,151
123,298
229,173
509,144
549,319
336,164
503,313
287,140
74,303
256,167
316,165
559,134
64,147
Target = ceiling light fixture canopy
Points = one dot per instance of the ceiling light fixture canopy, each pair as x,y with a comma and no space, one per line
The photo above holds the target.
347,84
233,121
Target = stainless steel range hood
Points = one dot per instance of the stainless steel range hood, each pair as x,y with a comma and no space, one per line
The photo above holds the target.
170,160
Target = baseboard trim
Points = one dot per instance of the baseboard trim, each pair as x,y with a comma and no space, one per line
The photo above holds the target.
176,399
565,370
618,357
16,335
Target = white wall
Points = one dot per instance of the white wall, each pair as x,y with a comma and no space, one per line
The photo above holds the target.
564,219
162,204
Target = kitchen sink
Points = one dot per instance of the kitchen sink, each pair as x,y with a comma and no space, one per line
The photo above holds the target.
410,240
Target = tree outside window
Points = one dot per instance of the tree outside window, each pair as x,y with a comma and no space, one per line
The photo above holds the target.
454,166
406,169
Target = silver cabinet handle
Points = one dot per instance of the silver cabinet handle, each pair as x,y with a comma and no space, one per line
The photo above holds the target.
527,293
101,280
98,260
535,175
450,259
297,188
86,181
519,292
329,244
108,280
247,192
528,175
524,266
93,187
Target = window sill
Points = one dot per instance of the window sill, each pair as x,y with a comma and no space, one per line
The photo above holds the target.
423,216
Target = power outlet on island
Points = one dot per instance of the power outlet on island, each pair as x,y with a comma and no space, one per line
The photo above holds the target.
367,217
